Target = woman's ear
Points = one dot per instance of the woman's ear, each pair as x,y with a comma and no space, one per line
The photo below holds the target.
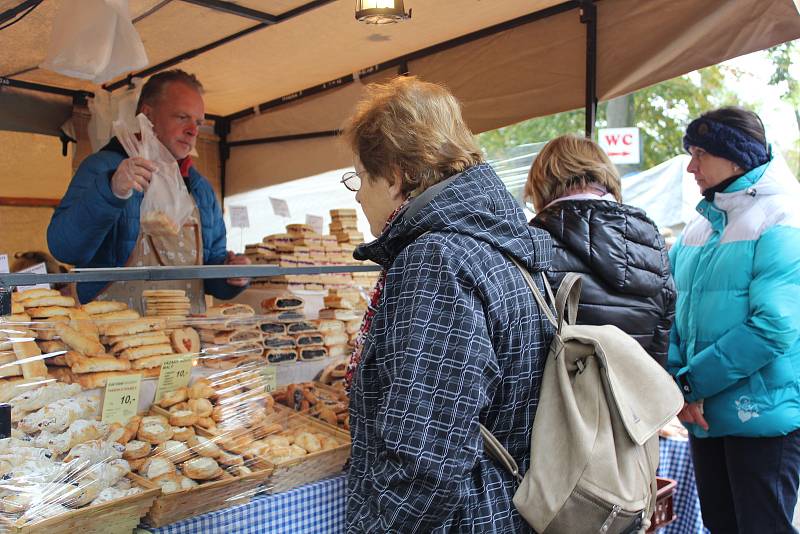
396,189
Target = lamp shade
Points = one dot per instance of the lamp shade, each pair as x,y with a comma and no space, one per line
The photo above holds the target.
381,11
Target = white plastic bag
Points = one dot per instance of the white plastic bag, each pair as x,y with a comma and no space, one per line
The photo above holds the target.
167,203
94,40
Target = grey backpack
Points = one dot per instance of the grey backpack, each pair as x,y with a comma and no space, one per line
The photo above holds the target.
594,443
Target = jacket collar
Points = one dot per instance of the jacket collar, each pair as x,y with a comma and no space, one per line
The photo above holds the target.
735,195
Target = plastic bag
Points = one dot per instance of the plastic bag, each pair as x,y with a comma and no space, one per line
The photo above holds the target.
167,203
94,40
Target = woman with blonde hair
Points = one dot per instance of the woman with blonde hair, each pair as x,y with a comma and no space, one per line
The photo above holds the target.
620,253
453,337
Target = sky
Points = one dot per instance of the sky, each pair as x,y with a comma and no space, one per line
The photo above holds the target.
752,88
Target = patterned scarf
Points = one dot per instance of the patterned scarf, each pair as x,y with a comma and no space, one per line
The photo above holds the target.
372,308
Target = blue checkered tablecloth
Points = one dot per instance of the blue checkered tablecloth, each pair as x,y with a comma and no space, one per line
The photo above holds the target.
317,508
676,463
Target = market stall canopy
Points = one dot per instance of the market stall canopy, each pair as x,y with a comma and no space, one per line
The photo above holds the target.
507,60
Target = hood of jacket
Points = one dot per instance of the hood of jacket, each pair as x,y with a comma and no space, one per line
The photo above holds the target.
619,243
473,203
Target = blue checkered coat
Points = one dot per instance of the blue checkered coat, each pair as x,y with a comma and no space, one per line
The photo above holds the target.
457,340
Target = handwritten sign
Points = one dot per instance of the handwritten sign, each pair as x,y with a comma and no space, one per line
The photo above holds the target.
175,374
269,376
316,222
39,268
280,207
4,263
239,217
121,400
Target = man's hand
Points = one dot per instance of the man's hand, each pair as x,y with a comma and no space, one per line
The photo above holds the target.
132,173
237,259
693,413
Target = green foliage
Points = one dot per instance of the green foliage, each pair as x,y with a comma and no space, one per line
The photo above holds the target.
782,57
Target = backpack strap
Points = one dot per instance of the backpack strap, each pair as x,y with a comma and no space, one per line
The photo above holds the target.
537,295
499,453
567,298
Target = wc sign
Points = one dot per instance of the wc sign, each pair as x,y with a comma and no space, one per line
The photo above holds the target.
621,144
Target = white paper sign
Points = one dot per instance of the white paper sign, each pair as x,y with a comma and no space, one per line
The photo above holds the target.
621,144
280,207
239,217
316,222
4,263
39,268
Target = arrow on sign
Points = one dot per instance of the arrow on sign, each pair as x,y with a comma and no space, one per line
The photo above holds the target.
619,153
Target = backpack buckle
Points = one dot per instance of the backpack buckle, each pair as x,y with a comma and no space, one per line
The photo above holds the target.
581,366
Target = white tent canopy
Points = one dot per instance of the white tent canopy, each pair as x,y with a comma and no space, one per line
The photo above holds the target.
303,67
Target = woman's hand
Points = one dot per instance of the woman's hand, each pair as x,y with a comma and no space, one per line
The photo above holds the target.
693,413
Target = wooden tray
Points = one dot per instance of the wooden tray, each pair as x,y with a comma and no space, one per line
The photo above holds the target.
171,507
314,466
223,493
114,517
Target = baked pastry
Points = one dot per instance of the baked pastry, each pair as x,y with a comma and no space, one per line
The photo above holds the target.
171,398
327,326
83,364
273,328
30,294
279,342
57,416
309,339
96,452
313,353
185,340
230,310
157,466
154,432
113,494
49,300
337,351
79,342
26,353
201,389
45,312
182,418
139,340
339,338
225,337
137,449
103,306
284,316
201,468
228,459
136,353
174,451
300,328
145,324
281,355
340,315
158,223
82,322
282,302
202,407
79,431
207,423
40,397
182,433
203,447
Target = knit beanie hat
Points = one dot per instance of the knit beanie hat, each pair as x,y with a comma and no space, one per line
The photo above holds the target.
727,142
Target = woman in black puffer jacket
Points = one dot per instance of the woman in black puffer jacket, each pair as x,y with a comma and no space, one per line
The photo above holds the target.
576,192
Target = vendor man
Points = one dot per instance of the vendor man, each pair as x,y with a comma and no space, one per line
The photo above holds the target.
97,222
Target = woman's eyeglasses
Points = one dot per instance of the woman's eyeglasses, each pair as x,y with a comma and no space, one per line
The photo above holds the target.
351,181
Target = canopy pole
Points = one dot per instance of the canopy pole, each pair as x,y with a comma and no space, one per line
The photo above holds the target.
222,127
589,17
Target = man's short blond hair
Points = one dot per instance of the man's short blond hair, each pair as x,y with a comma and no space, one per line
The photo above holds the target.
567,165
412,129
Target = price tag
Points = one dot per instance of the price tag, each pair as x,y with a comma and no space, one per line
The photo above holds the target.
39,268
175,374
4,263
239,217
316,222
269,375
280,207
121,400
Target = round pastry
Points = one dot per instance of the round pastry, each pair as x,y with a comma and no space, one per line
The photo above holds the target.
182,433
170,483
275,441
182,418
185,340
155,467
297,451
202,407
328,443
308,441
174,451
136,465
179,407
154,432
136,449
228,459
201,468
147,419
201,389
172,398
278,454
239,470
116,432
203,447
207,423
188,483
220,413
328,415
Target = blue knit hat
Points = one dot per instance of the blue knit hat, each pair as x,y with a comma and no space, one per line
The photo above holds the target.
724,141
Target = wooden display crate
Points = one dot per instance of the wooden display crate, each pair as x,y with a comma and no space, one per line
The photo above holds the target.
224,493
314,466
120,516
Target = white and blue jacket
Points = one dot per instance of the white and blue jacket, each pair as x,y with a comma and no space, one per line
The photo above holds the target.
735,342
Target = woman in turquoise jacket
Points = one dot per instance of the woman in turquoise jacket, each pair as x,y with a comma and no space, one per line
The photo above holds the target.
734,347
